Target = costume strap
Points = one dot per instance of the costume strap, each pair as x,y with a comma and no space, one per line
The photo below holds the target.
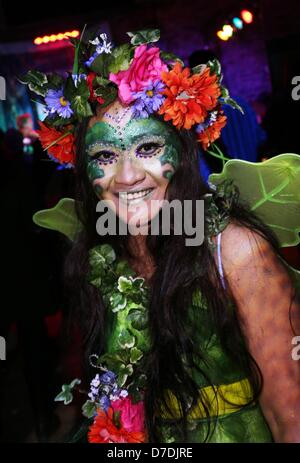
220,267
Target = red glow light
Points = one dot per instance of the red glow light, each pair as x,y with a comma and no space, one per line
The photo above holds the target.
247,16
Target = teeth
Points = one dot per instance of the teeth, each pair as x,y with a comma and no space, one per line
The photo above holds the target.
126,196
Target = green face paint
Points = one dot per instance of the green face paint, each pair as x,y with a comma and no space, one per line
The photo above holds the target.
93,170
147,128
170,156
151,144
101,134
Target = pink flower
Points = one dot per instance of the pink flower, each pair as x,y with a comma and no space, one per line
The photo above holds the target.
145,68
131,415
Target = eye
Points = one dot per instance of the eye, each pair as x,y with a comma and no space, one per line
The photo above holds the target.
149,149
105,157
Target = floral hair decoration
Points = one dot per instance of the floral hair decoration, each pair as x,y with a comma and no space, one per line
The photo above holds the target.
141,75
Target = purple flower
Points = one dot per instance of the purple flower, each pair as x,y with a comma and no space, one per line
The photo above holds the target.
104,402
209,121
96,381
57,103
77,78
149,100
92,58
91,396
108,377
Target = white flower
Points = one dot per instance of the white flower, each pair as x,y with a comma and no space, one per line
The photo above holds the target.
95,382
102,46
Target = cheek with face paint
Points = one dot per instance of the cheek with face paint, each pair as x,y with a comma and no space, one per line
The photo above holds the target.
95,173
170,160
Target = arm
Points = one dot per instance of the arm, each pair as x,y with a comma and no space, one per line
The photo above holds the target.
262,289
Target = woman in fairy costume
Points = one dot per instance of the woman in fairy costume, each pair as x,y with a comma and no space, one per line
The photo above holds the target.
189,343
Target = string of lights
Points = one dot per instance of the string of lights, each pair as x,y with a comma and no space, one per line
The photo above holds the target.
236,24
55,37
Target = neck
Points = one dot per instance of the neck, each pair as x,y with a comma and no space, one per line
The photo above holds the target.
138,246
141,260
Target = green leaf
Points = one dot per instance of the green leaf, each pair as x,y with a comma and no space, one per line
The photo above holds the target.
117,419
81,106
215,67
135,355
137,283
101,81
101,64
126,340
36,82
138,319
34,77
108,93
95,280
125,371
224,93
170,58
83,89
123,269
108,253
199,68
100,257
122,57
271,189
55,81
62,218
144,36
118,302
231,102
89,409
124,284
66,395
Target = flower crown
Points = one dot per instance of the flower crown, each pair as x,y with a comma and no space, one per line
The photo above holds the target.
140,75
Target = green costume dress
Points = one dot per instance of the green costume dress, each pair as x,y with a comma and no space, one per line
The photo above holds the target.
272,190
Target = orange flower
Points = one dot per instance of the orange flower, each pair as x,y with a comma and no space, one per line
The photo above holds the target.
104,431
60,145
212,132
189,97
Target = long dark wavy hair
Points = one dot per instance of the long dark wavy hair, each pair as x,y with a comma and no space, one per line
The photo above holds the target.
180,270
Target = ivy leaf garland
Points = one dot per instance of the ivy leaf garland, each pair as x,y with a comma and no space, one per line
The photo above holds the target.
126,297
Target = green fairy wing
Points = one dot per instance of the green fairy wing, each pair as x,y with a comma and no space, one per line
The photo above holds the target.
272,190
62,218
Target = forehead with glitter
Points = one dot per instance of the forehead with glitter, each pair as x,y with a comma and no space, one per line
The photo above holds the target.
116,127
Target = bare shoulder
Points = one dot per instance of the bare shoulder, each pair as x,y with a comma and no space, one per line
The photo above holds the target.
241,246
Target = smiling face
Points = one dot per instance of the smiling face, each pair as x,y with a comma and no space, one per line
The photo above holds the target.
131,161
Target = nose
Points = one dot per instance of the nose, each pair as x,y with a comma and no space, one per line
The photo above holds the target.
129,173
